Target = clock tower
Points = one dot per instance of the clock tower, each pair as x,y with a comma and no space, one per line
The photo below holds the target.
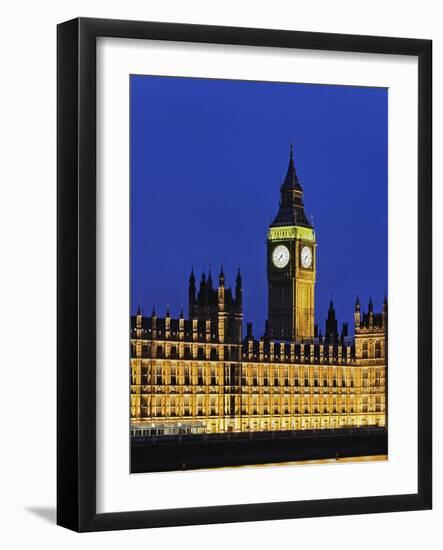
291,265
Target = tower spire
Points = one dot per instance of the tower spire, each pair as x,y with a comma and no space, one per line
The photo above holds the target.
202,293
291,180
357,314
238,280
331,332
138,320
384,311
191,293
291,211
371,312
238,289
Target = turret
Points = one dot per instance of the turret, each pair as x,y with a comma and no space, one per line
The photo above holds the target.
371,313
384,312
238,289
331,332
138,318
203,293
154,322
221,278
191,293
221,290
168,323
357,314
181,325
209,281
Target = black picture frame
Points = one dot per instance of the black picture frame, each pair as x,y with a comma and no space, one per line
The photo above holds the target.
76,279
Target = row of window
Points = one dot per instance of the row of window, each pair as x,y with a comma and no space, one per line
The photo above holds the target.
253,411
262,407
266,401
250,377
254,382
235,353
261,371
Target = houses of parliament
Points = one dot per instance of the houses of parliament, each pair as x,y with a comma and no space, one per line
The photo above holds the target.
202,374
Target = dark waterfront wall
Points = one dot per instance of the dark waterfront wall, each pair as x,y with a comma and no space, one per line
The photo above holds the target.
221,450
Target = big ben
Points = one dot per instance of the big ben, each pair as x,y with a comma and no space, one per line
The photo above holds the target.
291,265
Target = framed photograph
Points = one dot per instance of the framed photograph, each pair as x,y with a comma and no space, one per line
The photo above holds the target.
244,274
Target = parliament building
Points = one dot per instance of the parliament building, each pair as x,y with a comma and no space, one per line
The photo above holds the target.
201,374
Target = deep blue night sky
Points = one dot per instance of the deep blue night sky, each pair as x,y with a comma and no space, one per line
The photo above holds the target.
207,161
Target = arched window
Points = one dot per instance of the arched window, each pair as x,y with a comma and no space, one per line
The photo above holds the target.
378,348
365,350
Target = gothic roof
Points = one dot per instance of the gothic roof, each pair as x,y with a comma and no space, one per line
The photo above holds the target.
291,180
291,210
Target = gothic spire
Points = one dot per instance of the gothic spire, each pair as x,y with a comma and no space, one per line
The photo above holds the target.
331,329
291,180
291,210
202,293
192,277
238,289
238,280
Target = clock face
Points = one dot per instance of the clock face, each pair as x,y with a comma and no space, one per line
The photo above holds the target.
306,257
280,256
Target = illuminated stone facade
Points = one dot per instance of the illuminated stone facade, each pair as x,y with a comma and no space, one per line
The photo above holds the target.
185,372
201,375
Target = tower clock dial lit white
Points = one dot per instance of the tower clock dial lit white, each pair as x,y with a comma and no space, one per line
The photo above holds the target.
306,257
280,256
